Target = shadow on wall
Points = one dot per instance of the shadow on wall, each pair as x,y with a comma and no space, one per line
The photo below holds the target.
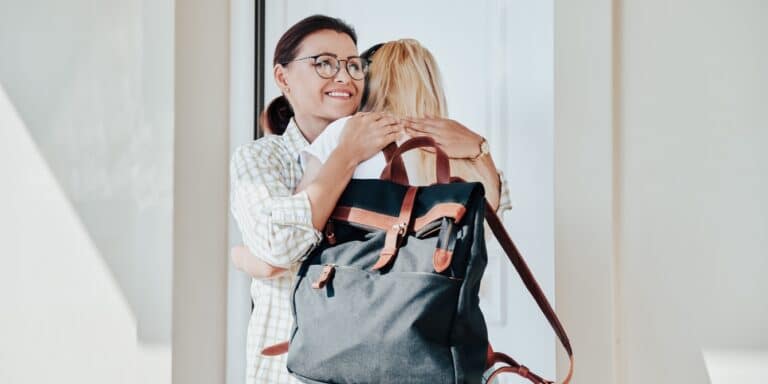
93,83
60,298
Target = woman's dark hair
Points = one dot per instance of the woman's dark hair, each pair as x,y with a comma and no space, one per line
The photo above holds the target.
368,56
275,118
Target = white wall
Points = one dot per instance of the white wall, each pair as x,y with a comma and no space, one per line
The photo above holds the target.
241,122
661,189
201,185
584,186
86,121
693,231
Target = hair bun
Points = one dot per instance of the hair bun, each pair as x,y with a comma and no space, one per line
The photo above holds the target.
276,117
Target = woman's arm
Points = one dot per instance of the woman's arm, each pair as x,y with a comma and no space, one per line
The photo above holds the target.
246,261
363,136
278,225
275,224
492,180
459,142
311,170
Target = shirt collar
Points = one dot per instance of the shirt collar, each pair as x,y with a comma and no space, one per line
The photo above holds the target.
294,139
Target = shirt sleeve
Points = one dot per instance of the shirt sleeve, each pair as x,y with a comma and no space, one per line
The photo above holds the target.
505,202
276,225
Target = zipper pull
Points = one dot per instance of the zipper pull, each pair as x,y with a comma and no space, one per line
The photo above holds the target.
325,276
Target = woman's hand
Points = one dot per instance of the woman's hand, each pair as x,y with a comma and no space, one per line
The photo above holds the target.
367,133
458,141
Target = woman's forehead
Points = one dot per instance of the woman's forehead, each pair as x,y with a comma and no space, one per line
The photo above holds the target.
327,41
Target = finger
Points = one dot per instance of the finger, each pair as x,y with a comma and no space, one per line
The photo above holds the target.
375,116
387,121
439,140
415,133
424,120
391,137
433,134
435,123
417,125
384,140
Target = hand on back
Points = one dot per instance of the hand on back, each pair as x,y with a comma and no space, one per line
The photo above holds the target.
458,141
367,133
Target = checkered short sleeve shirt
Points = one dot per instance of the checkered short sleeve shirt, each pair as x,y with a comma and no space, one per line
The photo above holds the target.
276,225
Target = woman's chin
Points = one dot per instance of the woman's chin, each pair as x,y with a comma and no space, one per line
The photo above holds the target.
339,111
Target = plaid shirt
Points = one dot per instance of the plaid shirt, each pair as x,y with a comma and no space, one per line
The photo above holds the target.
276,225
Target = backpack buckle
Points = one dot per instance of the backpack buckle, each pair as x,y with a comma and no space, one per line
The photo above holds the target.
325,276
400,228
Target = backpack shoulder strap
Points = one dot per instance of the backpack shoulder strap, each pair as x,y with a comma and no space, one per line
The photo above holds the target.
530,283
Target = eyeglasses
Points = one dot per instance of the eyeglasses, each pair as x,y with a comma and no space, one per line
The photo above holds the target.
327,66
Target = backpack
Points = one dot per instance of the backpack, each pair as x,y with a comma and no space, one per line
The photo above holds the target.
391,293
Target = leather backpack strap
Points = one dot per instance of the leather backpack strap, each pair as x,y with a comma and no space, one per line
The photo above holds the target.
396,233
538,295
395,168
275,349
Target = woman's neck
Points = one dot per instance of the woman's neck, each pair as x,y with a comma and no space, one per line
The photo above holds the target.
310,126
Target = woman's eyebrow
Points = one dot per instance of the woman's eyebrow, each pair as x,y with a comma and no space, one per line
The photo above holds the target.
332,54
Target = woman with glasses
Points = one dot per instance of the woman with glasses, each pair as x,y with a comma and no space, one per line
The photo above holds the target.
316,65
322,80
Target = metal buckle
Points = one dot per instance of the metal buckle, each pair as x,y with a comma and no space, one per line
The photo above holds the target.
400,228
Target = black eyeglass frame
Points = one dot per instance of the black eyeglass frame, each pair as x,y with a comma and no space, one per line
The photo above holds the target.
365,63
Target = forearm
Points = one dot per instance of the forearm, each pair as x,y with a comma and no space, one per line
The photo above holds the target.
326,187
489,173
245,261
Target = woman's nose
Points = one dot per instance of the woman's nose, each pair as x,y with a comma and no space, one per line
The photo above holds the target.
342,76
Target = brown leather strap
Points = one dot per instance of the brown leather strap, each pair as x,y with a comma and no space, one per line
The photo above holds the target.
395,169
523,371
512,366
398,230
389,151
533,287
276,349
520,371
446,243
389,156
330,235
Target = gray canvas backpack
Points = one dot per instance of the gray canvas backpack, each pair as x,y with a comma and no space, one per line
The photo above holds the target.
391,294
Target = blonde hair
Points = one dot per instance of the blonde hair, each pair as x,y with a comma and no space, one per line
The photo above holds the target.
405,81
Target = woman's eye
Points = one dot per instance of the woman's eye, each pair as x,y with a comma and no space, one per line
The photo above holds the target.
324,64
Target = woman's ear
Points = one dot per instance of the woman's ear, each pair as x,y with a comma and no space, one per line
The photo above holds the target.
280,79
